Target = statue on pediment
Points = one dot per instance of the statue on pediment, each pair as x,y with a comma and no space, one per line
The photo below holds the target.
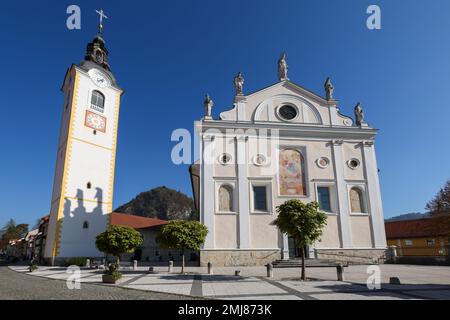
239,83
282,68
329,88
208,106
359,115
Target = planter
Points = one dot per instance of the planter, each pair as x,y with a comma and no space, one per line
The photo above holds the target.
107,278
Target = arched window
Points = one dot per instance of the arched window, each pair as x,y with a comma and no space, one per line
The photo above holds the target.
85,225
291,173
98,101
226,198
356,200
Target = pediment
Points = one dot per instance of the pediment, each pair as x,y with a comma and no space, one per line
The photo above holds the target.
268,104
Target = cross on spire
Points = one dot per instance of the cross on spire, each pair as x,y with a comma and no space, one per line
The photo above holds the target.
101,15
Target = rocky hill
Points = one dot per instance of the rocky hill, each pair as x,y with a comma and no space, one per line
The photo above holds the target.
162,203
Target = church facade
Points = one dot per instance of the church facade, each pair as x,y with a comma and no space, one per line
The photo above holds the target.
279,143
84,176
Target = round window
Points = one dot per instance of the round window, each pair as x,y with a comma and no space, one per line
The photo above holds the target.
225,158
323,162
353,163
287,112
259,160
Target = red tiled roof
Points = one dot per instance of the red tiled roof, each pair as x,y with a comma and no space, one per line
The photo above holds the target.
430,227
136,222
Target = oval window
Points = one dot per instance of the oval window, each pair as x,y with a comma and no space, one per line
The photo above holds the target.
287,112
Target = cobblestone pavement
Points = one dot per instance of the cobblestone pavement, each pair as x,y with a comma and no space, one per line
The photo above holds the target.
19,286
417,282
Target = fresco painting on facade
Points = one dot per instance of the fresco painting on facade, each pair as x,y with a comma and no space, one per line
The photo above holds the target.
291,172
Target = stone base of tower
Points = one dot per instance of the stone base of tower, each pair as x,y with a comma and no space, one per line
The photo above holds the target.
353,256
231,258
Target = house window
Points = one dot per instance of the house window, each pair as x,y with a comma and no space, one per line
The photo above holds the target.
408,242
431,242
98,101
226,198
356,200
260,198
291,173
323,195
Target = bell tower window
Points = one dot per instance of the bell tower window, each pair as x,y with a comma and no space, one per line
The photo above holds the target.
98,101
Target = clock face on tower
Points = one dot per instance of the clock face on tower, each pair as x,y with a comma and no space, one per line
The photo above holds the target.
95,121
98,78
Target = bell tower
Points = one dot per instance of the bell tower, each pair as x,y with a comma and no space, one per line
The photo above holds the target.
84,176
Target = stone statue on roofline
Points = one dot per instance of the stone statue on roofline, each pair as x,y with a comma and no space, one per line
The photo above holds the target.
329,89
208,106
239,84
359,115
282,68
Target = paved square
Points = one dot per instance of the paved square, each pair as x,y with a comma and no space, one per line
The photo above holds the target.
417,282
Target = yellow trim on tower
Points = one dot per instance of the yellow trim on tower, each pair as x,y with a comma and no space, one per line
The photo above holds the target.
66,166
92,144
87,200
113,158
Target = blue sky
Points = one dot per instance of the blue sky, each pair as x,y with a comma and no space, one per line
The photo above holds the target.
167,54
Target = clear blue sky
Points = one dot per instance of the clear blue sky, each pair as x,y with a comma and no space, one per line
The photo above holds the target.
167,54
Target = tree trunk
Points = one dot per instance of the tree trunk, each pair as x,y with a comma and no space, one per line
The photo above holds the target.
303,263
182,264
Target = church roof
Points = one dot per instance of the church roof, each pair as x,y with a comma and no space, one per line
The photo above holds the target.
136,222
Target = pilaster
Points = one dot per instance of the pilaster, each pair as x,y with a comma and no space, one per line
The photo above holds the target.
243,188
344,210
374,193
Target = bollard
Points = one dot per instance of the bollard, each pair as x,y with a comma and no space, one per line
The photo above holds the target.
237,273
269,270
340,271
135,265
88,263
210,268
170,266
392,254
394,280
151,270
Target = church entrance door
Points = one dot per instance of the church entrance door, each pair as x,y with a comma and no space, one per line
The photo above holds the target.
295,250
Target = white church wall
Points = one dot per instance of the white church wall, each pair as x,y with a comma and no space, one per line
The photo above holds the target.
331,234
362,231
226,229
224,145
352,150
262,234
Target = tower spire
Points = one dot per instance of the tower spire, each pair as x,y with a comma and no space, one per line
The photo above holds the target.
102,15
96,50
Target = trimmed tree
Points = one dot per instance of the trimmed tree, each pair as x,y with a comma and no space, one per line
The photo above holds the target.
182,235
303,222
118,240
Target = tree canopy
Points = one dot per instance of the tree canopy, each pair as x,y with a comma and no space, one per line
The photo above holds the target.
303,222
440,204
118,240
14,231
180,234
